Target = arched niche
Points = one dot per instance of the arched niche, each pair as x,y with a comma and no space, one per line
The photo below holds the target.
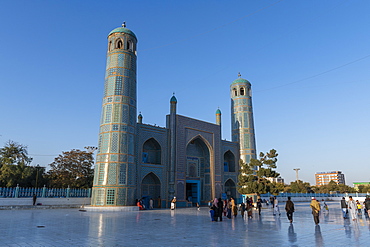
150,187
151,152
198,158
230,188
229,162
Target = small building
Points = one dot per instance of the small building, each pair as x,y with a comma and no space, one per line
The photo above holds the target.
357,184
276,180
324,178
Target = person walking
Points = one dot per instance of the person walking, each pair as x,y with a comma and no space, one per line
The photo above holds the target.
249,210
220,208
259,206
229,206
173,203
367,205
276,206
315,206
359,207
344,206
34,198
352,208
215,208
151,203
242,209
289,208
233,207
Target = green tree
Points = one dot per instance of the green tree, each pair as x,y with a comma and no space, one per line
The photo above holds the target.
278,187
300,187
14,165
253,175
73,169
333,187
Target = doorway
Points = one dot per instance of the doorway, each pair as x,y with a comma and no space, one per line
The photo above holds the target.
193,191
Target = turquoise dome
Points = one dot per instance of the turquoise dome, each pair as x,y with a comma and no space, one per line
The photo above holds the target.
240,80
173,99
122,30
218,111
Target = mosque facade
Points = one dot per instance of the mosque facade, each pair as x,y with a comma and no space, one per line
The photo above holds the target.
186,159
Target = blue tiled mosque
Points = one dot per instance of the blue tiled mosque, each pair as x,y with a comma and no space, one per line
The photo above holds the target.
186,159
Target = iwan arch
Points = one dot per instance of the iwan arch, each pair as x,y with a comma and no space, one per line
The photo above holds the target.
187,158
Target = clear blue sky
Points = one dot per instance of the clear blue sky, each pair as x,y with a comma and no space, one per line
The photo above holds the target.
308,62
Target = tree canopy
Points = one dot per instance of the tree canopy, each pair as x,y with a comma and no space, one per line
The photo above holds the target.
73,169
253,175
14,166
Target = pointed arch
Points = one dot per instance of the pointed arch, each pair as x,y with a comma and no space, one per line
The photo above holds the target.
230,188
129,45
110,46
150,186
200,167
242,91
119,44
152,152
229,162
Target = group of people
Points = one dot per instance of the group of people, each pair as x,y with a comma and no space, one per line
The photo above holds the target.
140,203
228,208
354,208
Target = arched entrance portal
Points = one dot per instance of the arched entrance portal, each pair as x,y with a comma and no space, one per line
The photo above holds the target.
150,188
198,181
230,189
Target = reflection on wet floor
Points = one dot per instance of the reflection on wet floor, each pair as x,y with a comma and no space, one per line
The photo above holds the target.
180,227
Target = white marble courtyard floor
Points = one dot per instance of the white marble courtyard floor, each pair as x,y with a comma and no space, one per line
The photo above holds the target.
181,227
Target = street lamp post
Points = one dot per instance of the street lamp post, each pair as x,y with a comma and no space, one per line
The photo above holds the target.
296,170
37,174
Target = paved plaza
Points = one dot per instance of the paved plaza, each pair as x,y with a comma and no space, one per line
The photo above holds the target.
181,227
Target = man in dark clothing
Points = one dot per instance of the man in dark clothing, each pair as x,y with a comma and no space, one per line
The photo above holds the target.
289,208
220,206
34,198
344,206
367,205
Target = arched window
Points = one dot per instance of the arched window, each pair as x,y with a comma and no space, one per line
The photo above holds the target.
235,92
229,162
151,152
242,91
119,44
110,46
129,45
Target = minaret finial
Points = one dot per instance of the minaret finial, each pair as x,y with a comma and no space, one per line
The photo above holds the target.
239,75
173,93
124,24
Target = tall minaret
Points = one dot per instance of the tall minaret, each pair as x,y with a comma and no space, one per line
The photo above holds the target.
173,137
115,171
242,118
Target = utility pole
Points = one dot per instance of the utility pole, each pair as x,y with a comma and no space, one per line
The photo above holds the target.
296,171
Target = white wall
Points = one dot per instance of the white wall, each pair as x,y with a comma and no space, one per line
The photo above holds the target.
44,201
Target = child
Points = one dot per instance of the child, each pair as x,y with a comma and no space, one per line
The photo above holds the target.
359,207
212,213
259,206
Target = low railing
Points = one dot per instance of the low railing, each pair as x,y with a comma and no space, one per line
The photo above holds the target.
20,192
317,194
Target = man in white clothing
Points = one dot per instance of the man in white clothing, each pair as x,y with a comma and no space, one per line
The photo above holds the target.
352,208
276,206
